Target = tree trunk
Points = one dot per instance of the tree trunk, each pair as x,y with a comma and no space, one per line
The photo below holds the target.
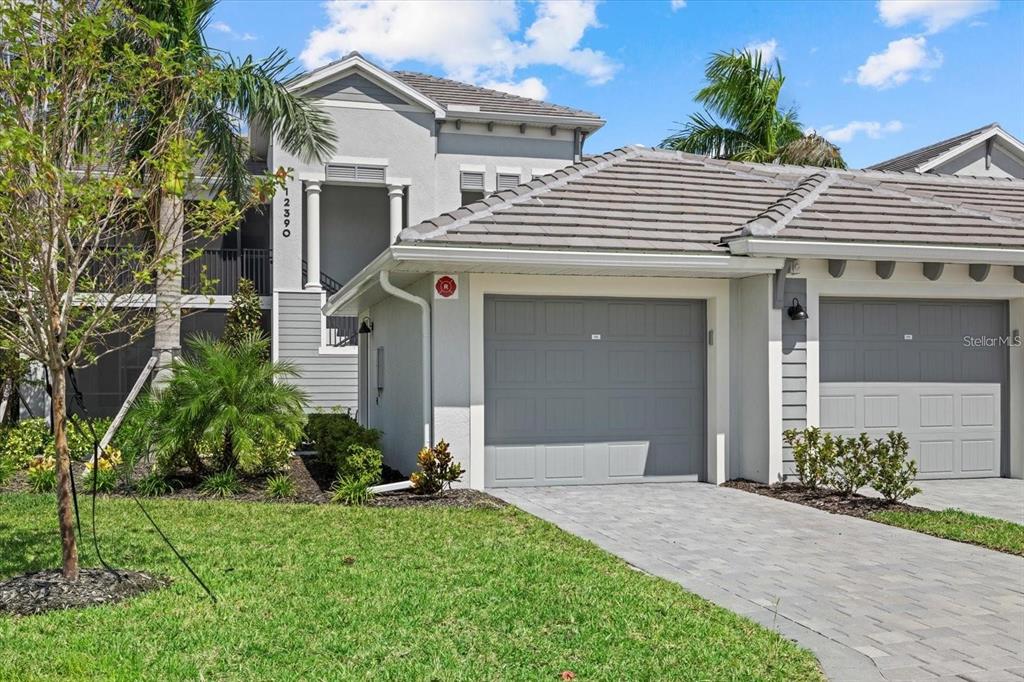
65,505
170,241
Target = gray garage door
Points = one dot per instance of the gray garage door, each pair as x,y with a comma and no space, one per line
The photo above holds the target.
904,365
583,390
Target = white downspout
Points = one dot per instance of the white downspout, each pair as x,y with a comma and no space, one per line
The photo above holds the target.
428,419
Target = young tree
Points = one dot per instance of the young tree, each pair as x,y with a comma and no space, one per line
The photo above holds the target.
744,93
243,319
79,254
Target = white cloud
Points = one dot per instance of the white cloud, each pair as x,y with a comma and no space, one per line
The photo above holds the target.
936,15
479,42
531,87
678,5
901,60
873,129
769,49
222,27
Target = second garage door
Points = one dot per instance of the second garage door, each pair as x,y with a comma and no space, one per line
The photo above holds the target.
935,370
583,390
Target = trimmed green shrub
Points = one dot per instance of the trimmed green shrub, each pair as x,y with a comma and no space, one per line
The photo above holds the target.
280,487
895,471
854,465
332,435
243,319
221,484
80,441
29,439
437,470
362,462
814,454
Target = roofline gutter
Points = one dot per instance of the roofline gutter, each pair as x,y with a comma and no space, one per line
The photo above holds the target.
801,248
428,410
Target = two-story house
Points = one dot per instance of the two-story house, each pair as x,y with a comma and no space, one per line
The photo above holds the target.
410,146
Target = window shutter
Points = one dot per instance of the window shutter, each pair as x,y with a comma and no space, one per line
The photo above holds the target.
473,182
507,181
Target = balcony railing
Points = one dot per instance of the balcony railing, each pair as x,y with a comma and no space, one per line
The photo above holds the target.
227,267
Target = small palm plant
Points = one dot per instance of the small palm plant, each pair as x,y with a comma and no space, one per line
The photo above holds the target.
226,406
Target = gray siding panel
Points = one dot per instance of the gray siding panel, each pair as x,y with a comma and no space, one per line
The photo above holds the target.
794,368
355,88
329,380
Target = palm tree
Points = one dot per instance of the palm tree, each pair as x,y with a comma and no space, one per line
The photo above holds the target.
240,90
743,93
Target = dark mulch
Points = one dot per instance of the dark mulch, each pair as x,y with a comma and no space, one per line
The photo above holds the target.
31,593
857,505
459,498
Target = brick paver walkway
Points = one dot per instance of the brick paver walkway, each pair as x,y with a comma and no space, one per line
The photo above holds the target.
873,602
1000,498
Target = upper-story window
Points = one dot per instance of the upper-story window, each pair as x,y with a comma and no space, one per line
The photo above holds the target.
472,185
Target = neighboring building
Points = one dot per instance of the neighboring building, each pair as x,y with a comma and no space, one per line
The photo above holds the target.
988,152
410,146
636,317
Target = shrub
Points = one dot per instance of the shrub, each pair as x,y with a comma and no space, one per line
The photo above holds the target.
854,465
42,474
350,490
280,487
226,407
895,471
437,469
80,441
221,484
813,453
153,485
243,319
362,462
7,469
104,474
24,442
332,434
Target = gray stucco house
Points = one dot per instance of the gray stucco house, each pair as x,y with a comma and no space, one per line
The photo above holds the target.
636,317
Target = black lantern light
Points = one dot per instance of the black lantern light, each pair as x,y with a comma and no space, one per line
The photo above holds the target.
365,327
796,311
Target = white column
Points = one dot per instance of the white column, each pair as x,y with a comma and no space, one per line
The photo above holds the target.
395,193
312,235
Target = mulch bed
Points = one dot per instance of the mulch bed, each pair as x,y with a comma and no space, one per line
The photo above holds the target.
856,505
459,498
31,593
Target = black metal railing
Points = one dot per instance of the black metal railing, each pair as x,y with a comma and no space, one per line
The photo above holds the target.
225,267
341,330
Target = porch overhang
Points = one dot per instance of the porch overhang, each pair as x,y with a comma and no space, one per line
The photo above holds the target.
918,253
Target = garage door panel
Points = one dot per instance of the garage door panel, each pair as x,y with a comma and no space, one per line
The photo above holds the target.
903,365
618,396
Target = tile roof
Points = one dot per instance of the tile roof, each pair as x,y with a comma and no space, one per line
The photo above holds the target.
448,92
637,199
912,160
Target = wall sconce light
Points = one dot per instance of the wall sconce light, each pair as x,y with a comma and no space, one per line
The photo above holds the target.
796,311
366,326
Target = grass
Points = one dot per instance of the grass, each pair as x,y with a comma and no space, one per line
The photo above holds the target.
953,524
327,592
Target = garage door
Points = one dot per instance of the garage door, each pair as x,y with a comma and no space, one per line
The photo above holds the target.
582,390
906,365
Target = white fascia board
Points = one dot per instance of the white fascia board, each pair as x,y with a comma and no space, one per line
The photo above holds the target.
360,282
799,248
997,132
588,124
598,259
374,72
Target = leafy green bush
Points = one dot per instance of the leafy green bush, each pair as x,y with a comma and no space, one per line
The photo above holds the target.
245,314
895,471
813,454
351,490
437,469
362,462
42,474
7,469
22,443
226,407
80,441
854,465
332,434
280,487
153,485
221,484
104,474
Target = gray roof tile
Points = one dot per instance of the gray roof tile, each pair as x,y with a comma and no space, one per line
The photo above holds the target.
911,160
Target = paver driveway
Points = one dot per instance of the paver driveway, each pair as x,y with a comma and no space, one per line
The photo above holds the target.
1000,498
872,601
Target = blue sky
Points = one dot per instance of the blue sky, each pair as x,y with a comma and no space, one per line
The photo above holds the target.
879,78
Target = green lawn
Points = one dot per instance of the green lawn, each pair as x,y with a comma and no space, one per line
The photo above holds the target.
431,594
953,524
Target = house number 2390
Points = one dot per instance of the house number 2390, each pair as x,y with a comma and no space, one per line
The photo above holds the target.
286,232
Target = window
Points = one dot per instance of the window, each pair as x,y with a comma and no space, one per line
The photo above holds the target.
472,185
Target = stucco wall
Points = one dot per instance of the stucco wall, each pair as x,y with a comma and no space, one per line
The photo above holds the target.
1003,163
751,380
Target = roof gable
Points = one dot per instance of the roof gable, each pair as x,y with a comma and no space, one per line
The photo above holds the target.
929,158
